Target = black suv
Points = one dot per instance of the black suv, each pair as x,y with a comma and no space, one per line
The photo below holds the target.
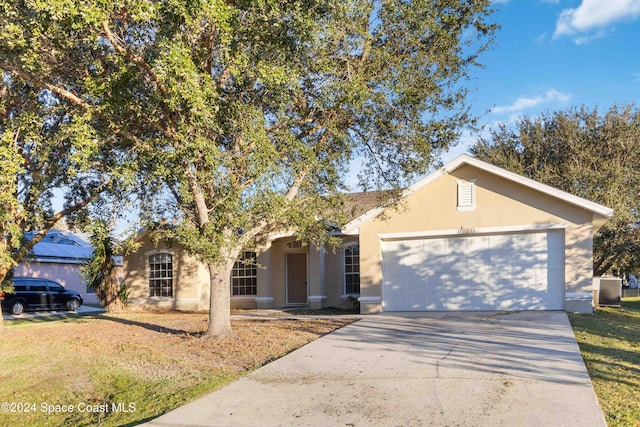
38,294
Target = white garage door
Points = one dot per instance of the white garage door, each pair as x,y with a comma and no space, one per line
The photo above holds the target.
520,271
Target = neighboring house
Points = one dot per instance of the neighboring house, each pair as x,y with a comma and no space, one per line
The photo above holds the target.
470,236
58,257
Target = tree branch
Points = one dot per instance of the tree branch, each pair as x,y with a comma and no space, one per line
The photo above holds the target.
39,82
137,59
150,76
51,221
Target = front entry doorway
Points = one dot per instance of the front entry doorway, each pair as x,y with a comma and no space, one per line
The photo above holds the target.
297,278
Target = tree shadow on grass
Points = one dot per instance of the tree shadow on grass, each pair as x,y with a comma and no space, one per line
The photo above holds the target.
149,326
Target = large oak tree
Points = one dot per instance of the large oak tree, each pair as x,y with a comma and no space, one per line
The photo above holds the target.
243,116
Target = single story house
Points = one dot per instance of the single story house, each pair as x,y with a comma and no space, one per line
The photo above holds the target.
58,257
469,236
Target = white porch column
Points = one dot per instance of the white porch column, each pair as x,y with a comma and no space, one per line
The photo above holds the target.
317,296
264,298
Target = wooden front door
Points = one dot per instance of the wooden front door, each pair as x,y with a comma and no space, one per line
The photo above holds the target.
297,278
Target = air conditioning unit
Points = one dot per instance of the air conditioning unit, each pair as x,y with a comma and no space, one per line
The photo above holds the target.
610,292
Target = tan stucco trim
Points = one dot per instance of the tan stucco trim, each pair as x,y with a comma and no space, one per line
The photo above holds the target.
470,231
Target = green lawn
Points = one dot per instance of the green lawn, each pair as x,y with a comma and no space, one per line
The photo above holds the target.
610,345
118,370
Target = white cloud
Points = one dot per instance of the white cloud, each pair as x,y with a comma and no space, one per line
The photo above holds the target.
594,15
589,38
524,103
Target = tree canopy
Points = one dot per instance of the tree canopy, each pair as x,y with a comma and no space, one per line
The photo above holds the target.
587,153
243,116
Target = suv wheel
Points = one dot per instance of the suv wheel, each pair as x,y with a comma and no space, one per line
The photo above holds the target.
73,304
17,307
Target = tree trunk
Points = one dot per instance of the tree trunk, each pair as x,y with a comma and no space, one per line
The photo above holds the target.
4,270
110,296
114,306
602,265
220,301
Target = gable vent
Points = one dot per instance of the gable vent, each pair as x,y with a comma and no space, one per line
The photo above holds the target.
466,195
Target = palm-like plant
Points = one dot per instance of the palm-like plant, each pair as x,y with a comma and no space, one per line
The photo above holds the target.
100,271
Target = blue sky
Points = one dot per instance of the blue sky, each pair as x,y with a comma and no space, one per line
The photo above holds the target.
554,54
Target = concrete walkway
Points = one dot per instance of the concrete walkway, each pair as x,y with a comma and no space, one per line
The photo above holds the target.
443,369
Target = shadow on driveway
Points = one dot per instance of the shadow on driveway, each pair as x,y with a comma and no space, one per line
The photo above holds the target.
455,369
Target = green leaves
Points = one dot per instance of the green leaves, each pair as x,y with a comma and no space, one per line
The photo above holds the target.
237,118
587,153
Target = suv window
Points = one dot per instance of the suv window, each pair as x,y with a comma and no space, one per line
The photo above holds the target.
37,287
54,287
20,288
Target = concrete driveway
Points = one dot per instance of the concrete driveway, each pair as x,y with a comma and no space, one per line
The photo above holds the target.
83,309
443,369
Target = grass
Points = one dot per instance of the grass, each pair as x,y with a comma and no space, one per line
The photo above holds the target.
115,370
130,368
610,345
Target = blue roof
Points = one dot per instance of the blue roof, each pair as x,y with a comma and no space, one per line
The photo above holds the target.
63,247
60,246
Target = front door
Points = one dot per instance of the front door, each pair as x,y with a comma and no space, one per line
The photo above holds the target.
297,278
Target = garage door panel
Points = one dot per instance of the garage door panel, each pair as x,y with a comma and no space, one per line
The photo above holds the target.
520,271
471,295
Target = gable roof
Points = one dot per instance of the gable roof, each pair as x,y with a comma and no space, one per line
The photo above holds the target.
358,204
464,159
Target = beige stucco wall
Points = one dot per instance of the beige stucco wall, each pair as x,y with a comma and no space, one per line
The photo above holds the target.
325,276
190,280
325,273
499,203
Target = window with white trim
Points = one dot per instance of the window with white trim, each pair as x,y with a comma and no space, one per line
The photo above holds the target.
352,269
244,276
161,275
294,244
466,195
